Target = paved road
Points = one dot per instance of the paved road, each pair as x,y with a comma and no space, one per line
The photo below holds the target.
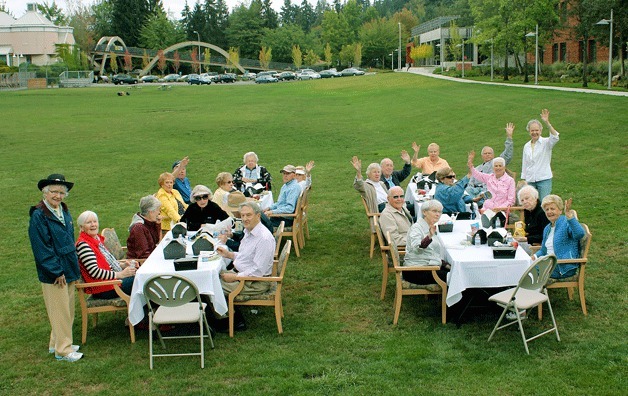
427,71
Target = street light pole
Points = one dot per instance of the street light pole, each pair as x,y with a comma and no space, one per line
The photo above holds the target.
536,57
610,46
391,60
399,55
198,37
461,46
491,59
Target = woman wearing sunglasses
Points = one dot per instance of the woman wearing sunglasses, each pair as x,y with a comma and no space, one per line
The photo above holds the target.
202,210
450,192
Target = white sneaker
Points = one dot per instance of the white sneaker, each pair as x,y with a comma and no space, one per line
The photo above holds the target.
75,348
513,316
70,357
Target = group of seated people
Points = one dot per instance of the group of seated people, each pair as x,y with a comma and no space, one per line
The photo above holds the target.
176,202
488,185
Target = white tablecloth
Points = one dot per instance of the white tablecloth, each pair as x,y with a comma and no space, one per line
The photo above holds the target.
475,267
206,278
413,196
266,201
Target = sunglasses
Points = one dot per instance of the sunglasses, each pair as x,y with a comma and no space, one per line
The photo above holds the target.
397,196
206,196
450,177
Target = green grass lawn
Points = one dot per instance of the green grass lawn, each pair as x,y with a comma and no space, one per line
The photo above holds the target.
338,336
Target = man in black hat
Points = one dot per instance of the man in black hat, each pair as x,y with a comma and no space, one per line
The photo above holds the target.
51,233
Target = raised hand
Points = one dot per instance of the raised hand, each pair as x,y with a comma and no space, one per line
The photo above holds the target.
415,147
545,115
357,164
309,166
470,158
405,156
510,128
569,213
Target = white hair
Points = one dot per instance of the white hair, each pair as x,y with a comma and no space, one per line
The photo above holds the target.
499,160
529,190
250,154
86,216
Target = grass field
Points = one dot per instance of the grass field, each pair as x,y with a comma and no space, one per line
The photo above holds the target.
338,336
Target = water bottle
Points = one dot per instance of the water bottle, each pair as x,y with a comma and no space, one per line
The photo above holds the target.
477,241
498,223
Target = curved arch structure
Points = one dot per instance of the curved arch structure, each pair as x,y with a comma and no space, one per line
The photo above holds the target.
189,44
111,40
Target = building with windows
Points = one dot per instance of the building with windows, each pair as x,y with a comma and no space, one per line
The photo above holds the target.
31,38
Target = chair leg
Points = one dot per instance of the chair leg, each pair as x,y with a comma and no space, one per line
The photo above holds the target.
499,321
278,312
201,341
372,249
523,334
150,339
384,281
295,240
583,302
84,319
443,304
132,332
549,307
398,298
209,333
570,292
94,320
231,320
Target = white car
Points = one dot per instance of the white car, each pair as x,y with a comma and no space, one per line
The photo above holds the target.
308,75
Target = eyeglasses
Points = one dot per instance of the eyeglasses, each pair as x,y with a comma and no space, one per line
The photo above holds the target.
397,196
450,177
61,193
206,196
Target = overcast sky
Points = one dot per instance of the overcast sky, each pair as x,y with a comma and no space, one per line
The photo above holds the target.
18,7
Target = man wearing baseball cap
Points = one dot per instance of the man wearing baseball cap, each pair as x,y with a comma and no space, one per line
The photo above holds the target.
287,200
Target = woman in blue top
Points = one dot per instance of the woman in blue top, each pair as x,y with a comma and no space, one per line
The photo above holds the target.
561,236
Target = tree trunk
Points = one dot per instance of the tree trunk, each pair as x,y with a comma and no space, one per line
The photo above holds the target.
506,66
622,69
585,55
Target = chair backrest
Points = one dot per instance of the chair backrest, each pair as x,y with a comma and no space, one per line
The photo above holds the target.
372,217
383,245
278,236
112,243
283,258
538,273
306,199
394,251
170,290
585,242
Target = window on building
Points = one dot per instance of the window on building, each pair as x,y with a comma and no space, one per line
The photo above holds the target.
563,52
555,57
592,51
541,54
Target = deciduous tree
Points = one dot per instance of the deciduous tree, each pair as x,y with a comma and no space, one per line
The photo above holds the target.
297,56
265,56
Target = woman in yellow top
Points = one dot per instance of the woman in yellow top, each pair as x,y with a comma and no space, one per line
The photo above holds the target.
172,204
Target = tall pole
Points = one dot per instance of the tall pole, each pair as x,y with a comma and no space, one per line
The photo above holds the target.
399,55
610,52
198,37
462,56
442,53
536,57
491,59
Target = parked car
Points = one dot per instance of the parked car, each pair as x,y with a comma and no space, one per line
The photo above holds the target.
149,79
123,79
308,75
170,78
227,78
265,78
249,76
286,76
352,71
203,79
188,78
331,73
184,78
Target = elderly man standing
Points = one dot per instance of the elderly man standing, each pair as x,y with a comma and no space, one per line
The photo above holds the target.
390,176
475,186
433,162
287,200
395,218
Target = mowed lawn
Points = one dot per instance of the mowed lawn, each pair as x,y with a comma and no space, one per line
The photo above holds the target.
338,335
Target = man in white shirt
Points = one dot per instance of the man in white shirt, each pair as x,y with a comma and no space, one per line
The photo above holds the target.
255,256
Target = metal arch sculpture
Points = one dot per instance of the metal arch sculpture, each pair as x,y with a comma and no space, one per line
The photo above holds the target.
189,44
110,41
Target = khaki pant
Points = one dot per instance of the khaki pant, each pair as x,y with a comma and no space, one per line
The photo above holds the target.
60,307
250,287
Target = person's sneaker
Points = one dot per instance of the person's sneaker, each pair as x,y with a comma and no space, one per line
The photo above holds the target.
75,348
70,357
513,316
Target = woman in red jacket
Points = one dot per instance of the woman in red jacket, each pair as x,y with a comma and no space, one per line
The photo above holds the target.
97,263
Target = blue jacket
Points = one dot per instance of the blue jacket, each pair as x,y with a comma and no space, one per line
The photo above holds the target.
567,236
451,196
53,244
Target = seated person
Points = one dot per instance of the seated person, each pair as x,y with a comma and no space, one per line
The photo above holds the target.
422,248
373,189
145,229
561,236
449,192
304,175
535,219
433,162
251,173
475,186
224,180
498,183
181,182
172,205
97,263
395,218
255,257
233,238
287,200
390,176
202,210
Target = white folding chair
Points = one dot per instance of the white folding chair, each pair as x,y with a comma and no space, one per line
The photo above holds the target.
529,293
175,296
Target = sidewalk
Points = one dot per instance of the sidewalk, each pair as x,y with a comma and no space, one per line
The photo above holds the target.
427,71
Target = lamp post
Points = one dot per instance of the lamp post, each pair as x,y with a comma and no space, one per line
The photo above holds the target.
536,53
462,55
391,60
399,54
198,37
610,46
442,53
491,59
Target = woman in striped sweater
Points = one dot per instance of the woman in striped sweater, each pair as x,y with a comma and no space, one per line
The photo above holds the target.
97,263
